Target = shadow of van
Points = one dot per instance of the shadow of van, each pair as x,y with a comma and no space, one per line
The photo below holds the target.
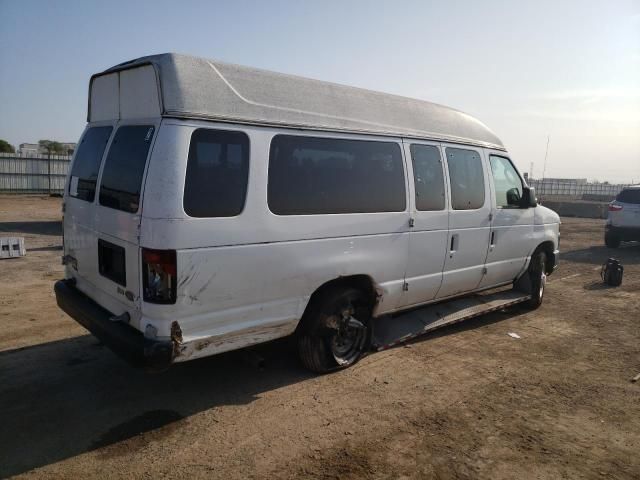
67,397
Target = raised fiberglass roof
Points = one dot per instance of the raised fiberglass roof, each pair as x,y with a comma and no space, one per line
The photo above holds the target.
191,87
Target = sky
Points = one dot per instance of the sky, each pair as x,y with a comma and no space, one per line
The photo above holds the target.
530,70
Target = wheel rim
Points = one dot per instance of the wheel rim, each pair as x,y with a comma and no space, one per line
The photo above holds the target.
347,341
543,281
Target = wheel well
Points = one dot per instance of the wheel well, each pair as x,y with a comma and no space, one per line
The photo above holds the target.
363,283
547,248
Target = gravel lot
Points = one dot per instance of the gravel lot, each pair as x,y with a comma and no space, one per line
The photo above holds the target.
468,401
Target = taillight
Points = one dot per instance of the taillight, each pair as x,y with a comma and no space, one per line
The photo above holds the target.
614,207
159,273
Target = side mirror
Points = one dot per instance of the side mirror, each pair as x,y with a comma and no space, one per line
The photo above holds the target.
529,198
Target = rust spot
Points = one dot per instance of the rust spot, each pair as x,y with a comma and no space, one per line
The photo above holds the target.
176,337
176,332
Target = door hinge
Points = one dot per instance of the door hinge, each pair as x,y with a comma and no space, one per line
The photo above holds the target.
405,287
412,222
484,270
490,216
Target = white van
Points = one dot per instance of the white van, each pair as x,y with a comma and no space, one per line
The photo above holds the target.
210,207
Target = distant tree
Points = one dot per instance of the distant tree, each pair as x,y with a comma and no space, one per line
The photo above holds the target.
52,147
6,147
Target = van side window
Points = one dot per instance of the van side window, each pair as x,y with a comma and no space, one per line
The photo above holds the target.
428,177
467,178
122,174
506,181
86,165
310,176
217,173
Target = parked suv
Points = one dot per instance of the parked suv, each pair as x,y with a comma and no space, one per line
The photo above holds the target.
623,222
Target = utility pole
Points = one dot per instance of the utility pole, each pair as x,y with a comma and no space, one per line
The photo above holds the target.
544,168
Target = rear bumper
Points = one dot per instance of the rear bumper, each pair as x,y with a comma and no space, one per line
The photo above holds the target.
123,339
625,233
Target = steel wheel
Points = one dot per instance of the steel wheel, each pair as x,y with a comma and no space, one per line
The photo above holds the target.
335,330
348,340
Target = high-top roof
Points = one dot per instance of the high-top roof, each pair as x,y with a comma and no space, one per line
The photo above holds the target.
191,87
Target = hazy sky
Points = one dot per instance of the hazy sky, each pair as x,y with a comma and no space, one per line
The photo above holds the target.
568,69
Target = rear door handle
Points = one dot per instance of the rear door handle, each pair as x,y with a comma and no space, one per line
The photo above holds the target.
453,245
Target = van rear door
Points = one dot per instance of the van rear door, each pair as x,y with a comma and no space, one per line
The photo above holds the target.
102,214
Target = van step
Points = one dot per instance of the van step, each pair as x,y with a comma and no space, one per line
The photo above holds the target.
389,331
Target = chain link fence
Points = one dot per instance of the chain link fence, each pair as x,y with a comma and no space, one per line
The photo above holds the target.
573,190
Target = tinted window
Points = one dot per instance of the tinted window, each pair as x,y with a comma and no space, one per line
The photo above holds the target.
629,196
122,175
467,180
217,172
506,181
322,175
428,177
86,165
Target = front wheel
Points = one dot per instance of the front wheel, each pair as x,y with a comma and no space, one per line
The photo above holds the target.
335,330
538,279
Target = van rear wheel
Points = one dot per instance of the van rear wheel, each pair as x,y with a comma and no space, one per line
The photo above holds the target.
335,330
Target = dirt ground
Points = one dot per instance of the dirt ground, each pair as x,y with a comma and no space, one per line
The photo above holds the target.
468,401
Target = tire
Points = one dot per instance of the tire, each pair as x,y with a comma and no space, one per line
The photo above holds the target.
611,240
537,279
335,330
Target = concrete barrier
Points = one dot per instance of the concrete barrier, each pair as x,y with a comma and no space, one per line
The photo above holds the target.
577,208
